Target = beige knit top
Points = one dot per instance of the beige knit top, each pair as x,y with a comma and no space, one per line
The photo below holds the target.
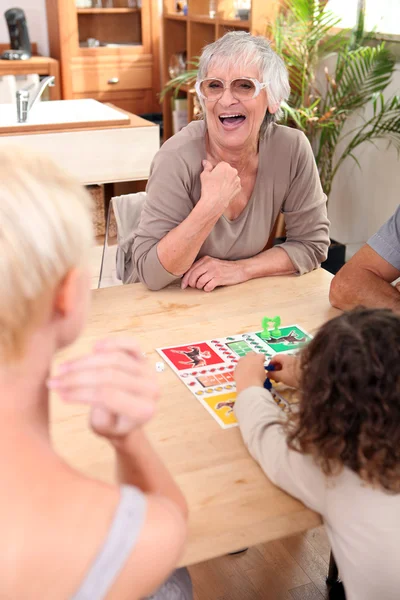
287,180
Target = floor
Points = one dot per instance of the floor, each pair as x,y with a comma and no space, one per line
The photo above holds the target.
291,569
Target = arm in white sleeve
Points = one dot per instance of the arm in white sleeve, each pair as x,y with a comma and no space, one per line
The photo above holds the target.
260,421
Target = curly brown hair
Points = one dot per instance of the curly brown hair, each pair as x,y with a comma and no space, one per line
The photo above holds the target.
349,410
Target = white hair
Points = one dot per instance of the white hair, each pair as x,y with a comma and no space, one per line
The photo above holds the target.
240,47
45,230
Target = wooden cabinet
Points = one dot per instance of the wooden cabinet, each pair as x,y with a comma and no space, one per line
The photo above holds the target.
205,21
112,77
42,65
108,51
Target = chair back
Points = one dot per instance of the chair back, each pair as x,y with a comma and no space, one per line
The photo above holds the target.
127,210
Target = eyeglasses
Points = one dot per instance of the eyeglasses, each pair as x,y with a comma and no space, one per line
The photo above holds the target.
241,88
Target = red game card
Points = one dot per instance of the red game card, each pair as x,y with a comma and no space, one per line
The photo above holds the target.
192,356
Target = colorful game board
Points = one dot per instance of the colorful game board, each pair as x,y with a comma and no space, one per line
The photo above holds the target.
206,367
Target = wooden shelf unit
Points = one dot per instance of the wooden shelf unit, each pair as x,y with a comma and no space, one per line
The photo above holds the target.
190,33
124,69
175,17
106,11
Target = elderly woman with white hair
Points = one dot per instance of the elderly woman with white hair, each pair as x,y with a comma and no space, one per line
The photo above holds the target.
65,534
217,187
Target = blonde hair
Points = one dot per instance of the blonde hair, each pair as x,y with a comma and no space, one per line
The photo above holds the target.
45,230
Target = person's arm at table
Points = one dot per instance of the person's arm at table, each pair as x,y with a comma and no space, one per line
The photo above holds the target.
138,464
179,248
307,233
163,537
207,273
261,424
164,533
119,385
304,210
365,280
172,229
116,383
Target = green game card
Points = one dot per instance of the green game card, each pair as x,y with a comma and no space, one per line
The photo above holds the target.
291,338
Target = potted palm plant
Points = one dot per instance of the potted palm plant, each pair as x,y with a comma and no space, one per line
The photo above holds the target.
333,76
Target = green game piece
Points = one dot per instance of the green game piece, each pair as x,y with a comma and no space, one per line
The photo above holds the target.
265,333
275,332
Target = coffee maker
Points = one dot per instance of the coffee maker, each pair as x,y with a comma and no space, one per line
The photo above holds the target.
20,45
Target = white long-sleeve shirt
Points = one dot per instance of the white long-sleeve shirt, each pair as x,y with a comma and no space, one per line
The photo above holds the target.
362,523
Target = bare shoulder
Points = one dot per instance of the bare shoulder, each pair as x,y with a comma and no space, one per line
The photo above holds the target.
67,521
154,531
155,554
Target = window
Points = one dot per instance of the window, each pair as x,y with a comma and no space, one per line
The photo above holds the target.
382,16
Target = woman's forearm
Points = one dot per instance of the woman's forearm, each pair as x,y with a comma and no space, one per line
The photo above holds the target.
274,261
138,464
178,249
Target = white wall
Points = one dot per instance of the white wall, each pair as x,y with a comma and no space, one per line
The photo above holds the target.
35,12
362,200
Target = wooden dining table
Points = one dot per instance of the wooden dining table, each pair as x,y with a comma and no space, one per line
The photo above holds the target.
232,504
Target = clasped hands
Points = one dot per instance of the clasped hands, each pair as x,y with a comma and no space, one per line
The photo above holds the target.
115,382
207,273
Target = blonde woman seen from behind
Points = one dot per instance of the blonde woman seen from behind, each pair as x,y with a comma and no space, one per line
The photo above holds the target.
65,535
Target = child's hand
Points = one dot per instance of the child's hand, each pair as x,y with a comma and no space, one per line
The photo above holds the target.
116,382
287,370
250,371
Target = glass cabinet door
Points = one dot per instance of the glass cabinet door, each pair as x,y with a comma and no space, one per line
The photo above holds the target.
109,23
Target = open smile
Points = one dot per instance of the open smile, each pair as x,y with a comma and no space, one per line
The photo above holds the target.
232,121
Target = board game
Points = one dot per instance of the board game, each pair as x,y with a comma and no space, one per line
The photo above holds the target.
206,367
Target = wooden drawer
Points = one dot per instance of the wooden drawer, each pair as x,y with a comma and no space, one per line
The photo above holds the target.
110,78
136,101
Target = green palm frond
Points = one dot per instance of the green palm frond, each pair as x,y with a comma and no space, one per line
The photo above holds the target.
187,78
356,78
384,124
298,32
360,74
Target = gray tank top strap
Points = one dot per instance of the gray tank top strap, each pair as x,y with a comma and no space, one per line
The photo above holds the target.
121,539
